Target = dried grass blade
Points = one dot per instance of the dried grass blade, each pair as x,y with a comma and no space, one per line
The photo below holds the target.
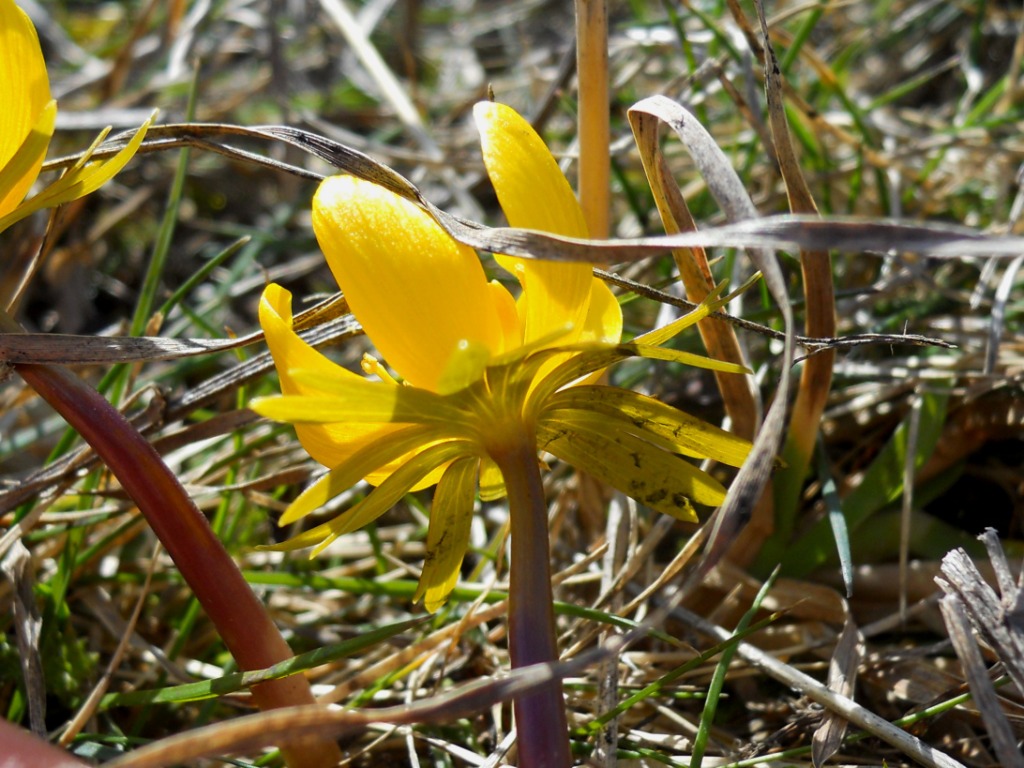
997,726
390,88
71,349
739,396
820,313
999,301
842,676
787,675
594,119
255,731
318,325
727,189
1000,620
847,234
18,567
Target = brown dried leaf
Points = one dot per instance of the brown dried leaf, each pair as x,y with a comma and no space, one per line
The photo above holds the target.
842,677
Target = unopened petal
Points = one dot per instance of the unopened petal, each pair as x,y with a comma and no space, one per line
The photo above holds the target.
24,93
418,293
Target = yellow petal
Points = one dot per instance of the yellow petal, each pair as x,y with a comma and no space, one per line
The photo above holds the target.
508,316
24,94
22,169
604,315
555,298
329,444
531,189
417,292
448,535
535,195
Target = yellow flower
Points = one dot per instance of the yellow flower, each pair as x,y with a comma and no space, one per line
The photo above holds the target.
27,120
480,371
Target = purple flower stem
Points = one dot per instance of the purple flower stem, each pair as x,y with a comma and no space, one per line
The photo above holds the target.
541,727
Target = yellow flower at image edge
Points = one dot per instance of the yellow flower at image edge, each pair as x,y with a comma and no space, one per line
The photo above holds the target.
481,371
27,118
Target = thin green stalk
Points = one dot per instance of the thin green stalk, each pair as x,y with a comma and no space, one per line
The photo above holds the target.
155,270
541,726
707,716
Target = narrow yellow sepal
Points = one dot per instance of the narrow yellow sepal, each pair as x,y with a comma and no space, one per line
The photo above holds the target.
396,447
82,179
448,535
660,480
379,501
641,414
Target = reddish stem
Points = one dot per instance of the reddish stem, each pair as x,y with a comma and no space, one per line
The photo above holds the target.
241,619
541,728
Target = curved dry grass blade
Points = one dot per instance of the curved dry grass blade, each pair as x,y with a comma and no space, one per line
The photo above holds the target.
846,234
819,295
70,349
727,189
738,395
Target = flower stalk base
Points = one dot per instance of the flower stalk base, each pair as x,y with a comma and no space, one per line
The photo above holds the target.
541,726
